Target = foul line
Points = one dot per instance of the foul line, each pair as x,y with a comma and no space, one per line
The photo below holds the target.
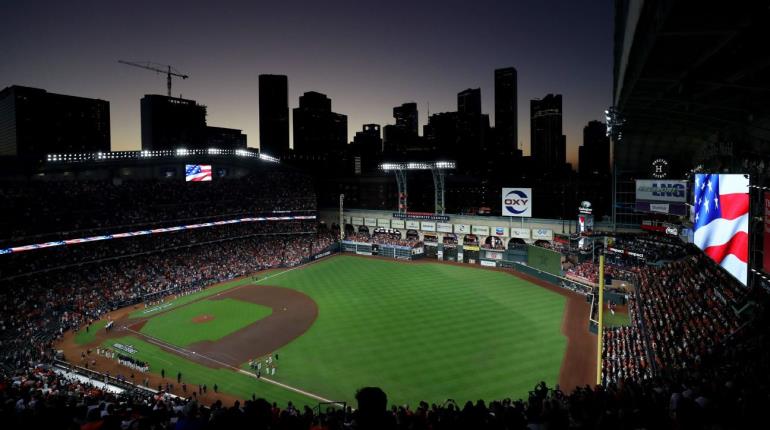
188,353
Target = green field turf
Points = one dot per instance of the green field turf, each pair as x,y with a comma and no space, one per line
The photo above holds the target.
194,374
83,337
176,326
420,331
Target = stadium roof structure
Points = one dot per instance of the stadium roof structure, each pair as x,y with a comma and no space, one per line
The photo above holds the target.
138,155
689,76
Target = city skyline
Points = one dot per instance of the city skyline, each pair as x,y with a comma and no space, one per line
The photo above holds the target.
366,66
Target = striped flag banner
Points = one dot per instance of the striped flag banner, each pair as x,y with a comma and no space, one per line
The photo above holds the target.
721,216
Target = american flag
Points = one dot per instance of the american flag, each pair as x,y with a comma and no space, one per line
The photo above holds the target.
721,210
198,172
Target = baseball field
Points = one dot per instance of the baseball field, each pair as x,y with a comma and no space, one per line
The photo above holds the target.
421,331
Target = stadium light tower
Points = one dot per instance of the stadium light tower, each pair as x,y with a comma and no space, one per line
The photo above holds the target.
437,168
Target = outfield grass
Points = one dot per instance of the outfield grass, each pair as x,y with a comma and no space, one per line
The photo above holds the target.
176,326
194,374
83,337
422,331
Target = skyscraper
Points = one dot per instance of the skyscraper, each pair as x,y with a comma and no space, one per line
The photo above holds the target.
469,101
406,117
316,128
594,155
273,114
171,123
34,122
506,110
225,138
547,142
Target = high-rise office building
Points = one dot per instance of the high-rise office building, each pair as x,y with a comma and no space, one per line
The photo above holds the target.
547,141
34,122
406,117
225,138
273,114
316,128
506,110
594,155
369,137
469,101
169,123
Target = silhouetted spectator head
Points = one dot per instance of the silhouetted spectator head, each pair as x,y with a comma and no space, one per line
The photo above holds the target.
372,404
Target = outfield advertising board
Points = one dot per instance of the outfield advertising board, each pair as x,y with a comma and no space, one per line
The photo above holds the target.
517,202
428,226
499,231
443,227
413,225
383,222
370,222
356,220
480,230
542,234
520,233
397,223
462,228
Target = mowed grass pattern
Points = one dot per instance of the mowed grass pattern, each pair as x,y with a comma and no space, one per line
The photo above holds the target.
422,332
177,326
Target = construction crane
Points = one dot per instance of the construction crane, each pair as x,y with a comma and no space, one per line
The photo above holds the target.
156,67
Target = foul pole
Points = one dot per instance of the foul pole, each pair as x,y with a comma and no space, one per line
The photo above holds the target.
601,322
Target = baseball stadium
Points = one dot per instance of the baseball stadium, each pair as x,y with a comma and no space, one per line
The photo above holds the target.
442,280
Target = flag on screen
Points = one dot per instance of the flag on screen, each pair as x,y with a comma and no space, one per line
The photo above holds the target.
721,208
198,172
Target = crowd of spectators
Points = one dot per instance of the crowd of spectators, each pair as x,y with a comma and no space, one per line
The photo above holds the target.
384,239
62,209
17,264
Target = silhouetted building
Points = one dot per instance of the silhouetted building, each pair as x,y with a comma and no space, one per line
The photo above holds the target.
469,101
407,117
369,137
170,123
34,122
225,138
316,128
506,111
547,141
273,114
594,155
402,136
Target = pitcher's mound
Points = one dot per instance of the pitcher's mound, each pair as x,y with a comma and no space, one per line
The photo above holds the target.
202,318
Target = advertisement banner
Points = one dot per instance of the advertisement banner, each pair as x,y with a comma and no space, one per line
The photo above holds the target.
493,255
428,226
542,234
462,228
766,238
517,202
480,230
370,222
413,225
585,223
397,223
500,231
443,227
382,222
520,233
661,190
357,220
488,263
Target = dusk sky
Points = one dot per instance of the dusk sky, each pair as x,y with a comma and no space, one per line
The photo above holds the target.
368,56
